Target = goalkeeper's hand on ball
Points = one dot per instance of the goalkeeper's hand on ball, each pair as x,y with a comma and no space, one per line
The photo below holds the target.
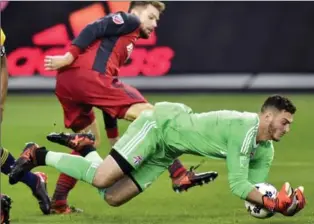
288,201
298,202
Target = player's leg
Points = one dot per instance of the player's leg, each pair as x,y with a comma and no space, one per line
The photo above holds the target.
117,181
138,143
134,110
79,118
125,102
111,127
133,184
103,176
37,182
182,179
139,179
121,192
75,166
109,176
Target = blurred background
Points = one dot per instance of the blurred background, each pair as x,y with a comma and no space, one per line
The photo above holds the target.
208,55
197,45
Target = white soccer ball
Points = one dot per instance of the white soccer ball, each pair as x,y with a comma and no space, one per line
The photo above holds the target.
258,211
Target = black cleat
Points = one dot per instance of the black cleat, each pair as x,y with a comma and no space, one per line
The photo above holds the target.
74,141
5,209
25,163
191,179
41,193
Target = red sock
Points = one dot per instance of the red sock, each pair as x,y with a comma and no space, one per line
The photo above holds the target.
64,185
176,169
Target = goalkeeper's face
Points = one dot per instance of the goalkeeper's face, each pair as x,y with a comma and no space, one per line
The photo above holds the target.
280,125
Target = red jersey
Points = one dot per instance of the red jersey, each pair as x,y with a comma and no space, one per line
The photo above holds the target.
106,44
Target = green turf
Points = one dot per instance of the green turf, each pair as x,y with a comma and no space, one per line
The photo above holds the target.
30,118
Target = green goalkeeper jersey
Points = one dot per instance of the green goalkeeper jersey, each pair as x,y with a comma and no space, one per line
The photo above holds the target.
223,134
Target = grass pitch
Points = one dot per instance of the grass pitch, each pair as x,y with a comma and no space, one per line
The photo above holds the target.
30,118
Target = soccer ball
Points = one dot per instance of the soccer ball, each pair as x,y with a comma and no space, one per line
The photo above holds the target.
256,210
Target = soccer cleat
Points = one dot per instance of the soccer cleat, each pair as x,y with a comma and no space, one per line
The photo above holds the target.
26,162
74,141
190,179
63,209
41,193
5,209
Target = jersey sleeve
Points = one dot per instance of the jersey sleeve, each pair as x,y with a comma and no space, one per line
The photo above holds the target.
116,24
239,145
2,37
259,168
2,49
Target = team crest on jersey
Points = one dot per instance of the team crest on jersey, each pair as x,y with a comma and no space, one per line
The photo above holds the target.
117,19
244,161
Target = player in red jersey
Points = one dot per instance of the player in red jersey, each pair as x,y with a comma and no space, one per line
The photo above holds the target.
88,77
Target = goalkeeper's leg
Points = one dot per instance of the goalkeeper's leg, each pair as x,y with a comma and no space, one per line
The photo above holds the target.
72,165
108,176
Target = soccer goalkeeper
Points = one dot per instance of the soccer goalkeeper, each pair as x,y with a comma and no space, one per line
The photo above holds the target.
158,136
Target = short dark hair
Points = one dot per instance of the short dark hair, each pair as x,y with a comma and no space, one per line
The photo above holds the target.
280,103
159,5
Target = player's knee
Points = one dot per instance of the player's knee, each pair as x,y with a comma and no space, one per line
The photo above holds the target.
113,200
146,106
135,110
99,182
102,180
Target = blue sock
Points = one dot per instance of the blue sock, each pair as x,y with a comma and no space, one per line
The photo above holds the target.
7,160
30,180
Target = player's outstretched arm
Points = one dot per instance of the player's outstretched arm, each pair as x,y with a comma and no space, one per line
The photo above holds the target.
238,159
259,168
112,25
237,165
240,186
52,63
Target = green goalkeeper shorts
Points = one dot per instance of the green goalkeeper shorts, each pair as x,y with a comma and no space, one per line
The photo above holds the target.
142,147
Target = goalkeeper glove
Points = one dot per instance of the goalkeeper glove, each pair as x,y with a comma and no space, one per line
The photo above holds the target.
282,202
298,202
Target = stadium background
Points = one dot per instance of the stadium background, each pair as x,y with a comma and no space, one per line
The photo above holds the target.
199,49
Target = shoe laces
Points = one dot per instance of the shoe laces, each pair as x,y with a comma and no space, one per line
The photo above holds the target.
193,168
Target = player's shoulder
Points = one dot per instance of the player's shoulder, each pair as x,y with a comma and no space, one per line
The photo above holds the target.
238,117
245,118
243,123
173,106
128,19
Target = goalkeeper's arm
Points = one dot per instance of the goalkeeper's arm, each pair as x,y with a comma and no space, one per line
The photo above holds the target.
259,167
240,186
